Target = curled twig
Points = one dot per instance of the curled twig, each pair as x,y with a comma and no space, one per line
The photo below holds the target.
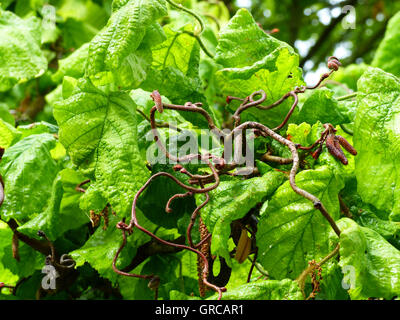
134,223
80,185
219,166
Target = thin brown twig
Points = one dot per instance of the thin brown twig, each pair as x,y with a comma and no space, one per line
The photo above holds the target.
80,185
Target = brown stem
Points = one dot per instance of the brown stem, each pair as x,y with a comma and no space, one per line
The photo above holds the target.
134,223
253,263
344,208
159,125
37,245
266,157
301,280
80,185
293,149
194,216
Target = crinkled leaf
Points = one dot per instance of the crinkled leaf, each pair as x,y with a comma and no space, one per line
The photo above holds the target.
56,219
370,264
115,46
350,74
28,171
10,268
253,60
376,138
175,72
242,42
6,276
8,134
100,249
20,56
304,133
388,52
232,200
321,106
98,131
291,231
387,229
37,128
331,284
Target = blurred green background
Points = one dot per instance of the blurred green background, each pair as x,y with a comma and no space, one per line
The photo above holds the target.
319,29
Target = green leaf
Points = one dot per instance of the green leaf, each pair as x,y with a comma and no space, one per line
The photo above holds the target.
20,56
350,75
8,134
253,60
98,130
331,283
10,268
376,138
116,45
5,114
285,289
100,249
145,103
37,128
387,54
321,106
175,72
255,44
57,217
5,241
291,232
154,200
177,295
28,172
370,264
276,81
304,133
232,200
387,229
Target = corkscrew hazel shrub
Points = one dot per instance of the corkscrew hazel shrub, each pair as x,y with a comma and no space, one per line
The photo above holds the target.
313,215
